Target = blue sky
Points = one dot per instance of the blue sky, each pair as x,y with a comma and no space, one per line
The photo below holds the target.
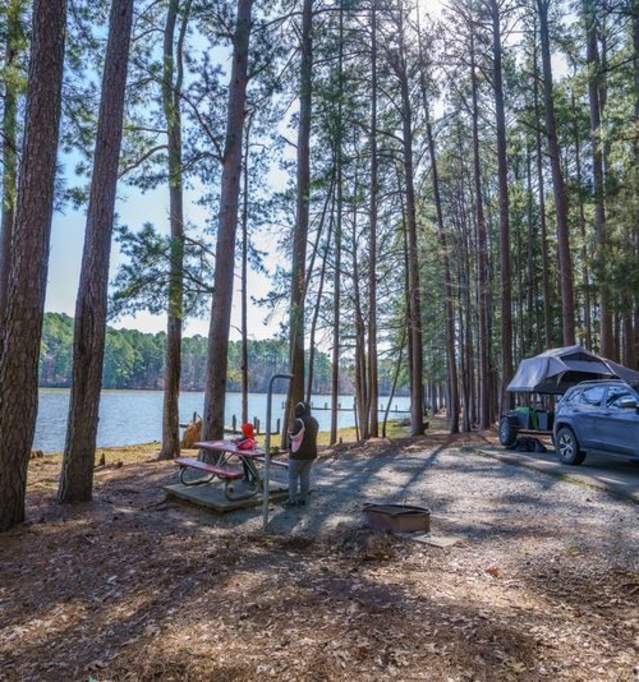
135,208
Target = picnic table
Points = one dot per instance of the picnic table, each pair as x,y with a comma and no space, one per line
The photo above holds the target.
232,465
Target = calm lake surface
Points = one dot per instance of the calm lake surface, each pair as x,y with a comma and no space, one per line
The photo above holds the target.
130,417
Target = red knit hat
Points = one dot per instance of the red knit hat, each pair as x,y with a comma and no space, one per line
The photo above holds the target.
247,430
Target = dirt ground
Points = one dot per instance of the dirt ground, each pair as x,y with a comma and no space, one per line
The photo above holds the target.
542,585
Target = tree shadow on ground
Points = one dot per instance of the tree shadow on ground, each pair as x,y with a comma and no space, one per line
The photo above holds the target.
142,589
304,607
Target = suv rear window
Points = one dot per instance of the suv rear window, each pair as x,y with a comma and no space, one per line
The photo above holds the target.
593,396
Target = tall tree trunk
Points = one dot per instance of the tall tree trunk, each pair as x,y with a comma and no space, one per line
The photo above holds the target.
521,275
483,266
407,301
448,284
361,374
531,279
217,362
9,140
606,340
416,375
628,357
309,277
561,200
22,329
582,227
634,236
171,92
504,226
76,481
545,258
373,380
320,291
338,236
300,237
466,351
466,269
493,389
245,206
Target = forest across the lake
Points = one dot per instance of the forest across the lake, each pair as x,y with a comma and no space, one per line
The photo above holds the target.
135,360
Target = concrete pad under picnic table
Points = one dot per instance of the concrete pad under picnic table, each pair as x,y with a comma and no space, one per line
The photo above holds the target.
211,496
617,476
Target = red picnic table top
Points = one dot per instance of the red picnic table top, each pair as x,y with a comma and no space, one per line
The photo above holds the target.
230,447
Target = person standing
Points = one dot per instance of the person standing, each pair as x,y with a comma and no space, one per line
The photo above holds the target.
303,437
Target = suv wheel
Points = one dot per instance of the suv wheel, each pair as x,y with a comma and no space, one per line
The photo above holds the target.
568,447
507,432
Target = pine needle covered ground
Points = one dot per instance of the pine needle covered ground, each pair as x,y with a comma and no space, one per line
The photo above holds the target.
544,583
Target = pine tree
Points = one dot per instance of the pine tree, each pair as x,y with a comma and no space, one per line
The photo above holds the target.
22,328
12,77
217,364
76,482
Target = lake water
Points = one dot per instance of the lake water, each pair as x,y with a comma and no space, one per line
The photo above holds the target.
130,417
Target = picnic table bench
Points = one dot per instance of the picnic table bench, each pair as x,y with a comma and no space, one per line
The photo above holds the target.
222,469
186,463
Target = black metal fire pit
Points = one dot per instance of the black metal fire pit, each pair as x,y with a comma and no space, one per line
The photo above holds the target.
401,518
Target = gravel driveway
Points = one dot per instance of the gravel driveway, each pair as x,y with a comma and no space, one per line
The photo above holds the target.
469,495
615,475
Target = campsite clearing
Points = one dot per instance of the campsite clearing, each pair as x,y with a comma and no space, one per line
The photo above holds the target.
543,585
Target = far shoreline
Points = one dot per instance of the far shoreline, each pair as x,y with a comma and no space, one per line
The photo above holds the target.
187,390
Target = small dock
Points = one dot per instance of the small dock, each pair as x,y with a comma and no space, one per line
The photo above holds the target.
235,426
327,408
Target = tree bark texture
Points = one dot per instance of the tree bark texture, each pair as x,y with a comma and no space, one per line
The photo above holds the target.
76,481
415,314
606,339
300,236
448,284
9,141
504,226
244,275
561,200
22,329
337,283
373,380
582,229
545,258
217,363
441,232
483,266
361,371
173,71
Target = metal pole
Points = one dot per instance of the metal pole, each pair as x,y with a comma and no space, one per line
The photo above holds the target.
266,487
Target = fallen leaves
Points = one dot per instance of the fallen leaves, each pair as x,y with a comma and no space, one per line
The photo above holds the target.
121,592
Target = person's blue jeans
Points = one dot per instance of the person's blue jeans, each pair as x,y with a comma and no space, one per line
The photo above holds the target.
299,474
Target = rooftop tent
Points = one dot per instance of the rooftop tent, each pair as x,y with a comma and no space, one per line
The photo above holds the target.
557,369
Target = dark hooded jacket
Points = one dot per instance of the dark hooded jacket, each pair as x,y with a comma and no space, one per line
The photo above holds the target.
308,448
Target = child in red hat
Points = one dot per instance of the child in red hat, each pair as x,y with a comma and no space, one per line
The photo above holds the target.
248,442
